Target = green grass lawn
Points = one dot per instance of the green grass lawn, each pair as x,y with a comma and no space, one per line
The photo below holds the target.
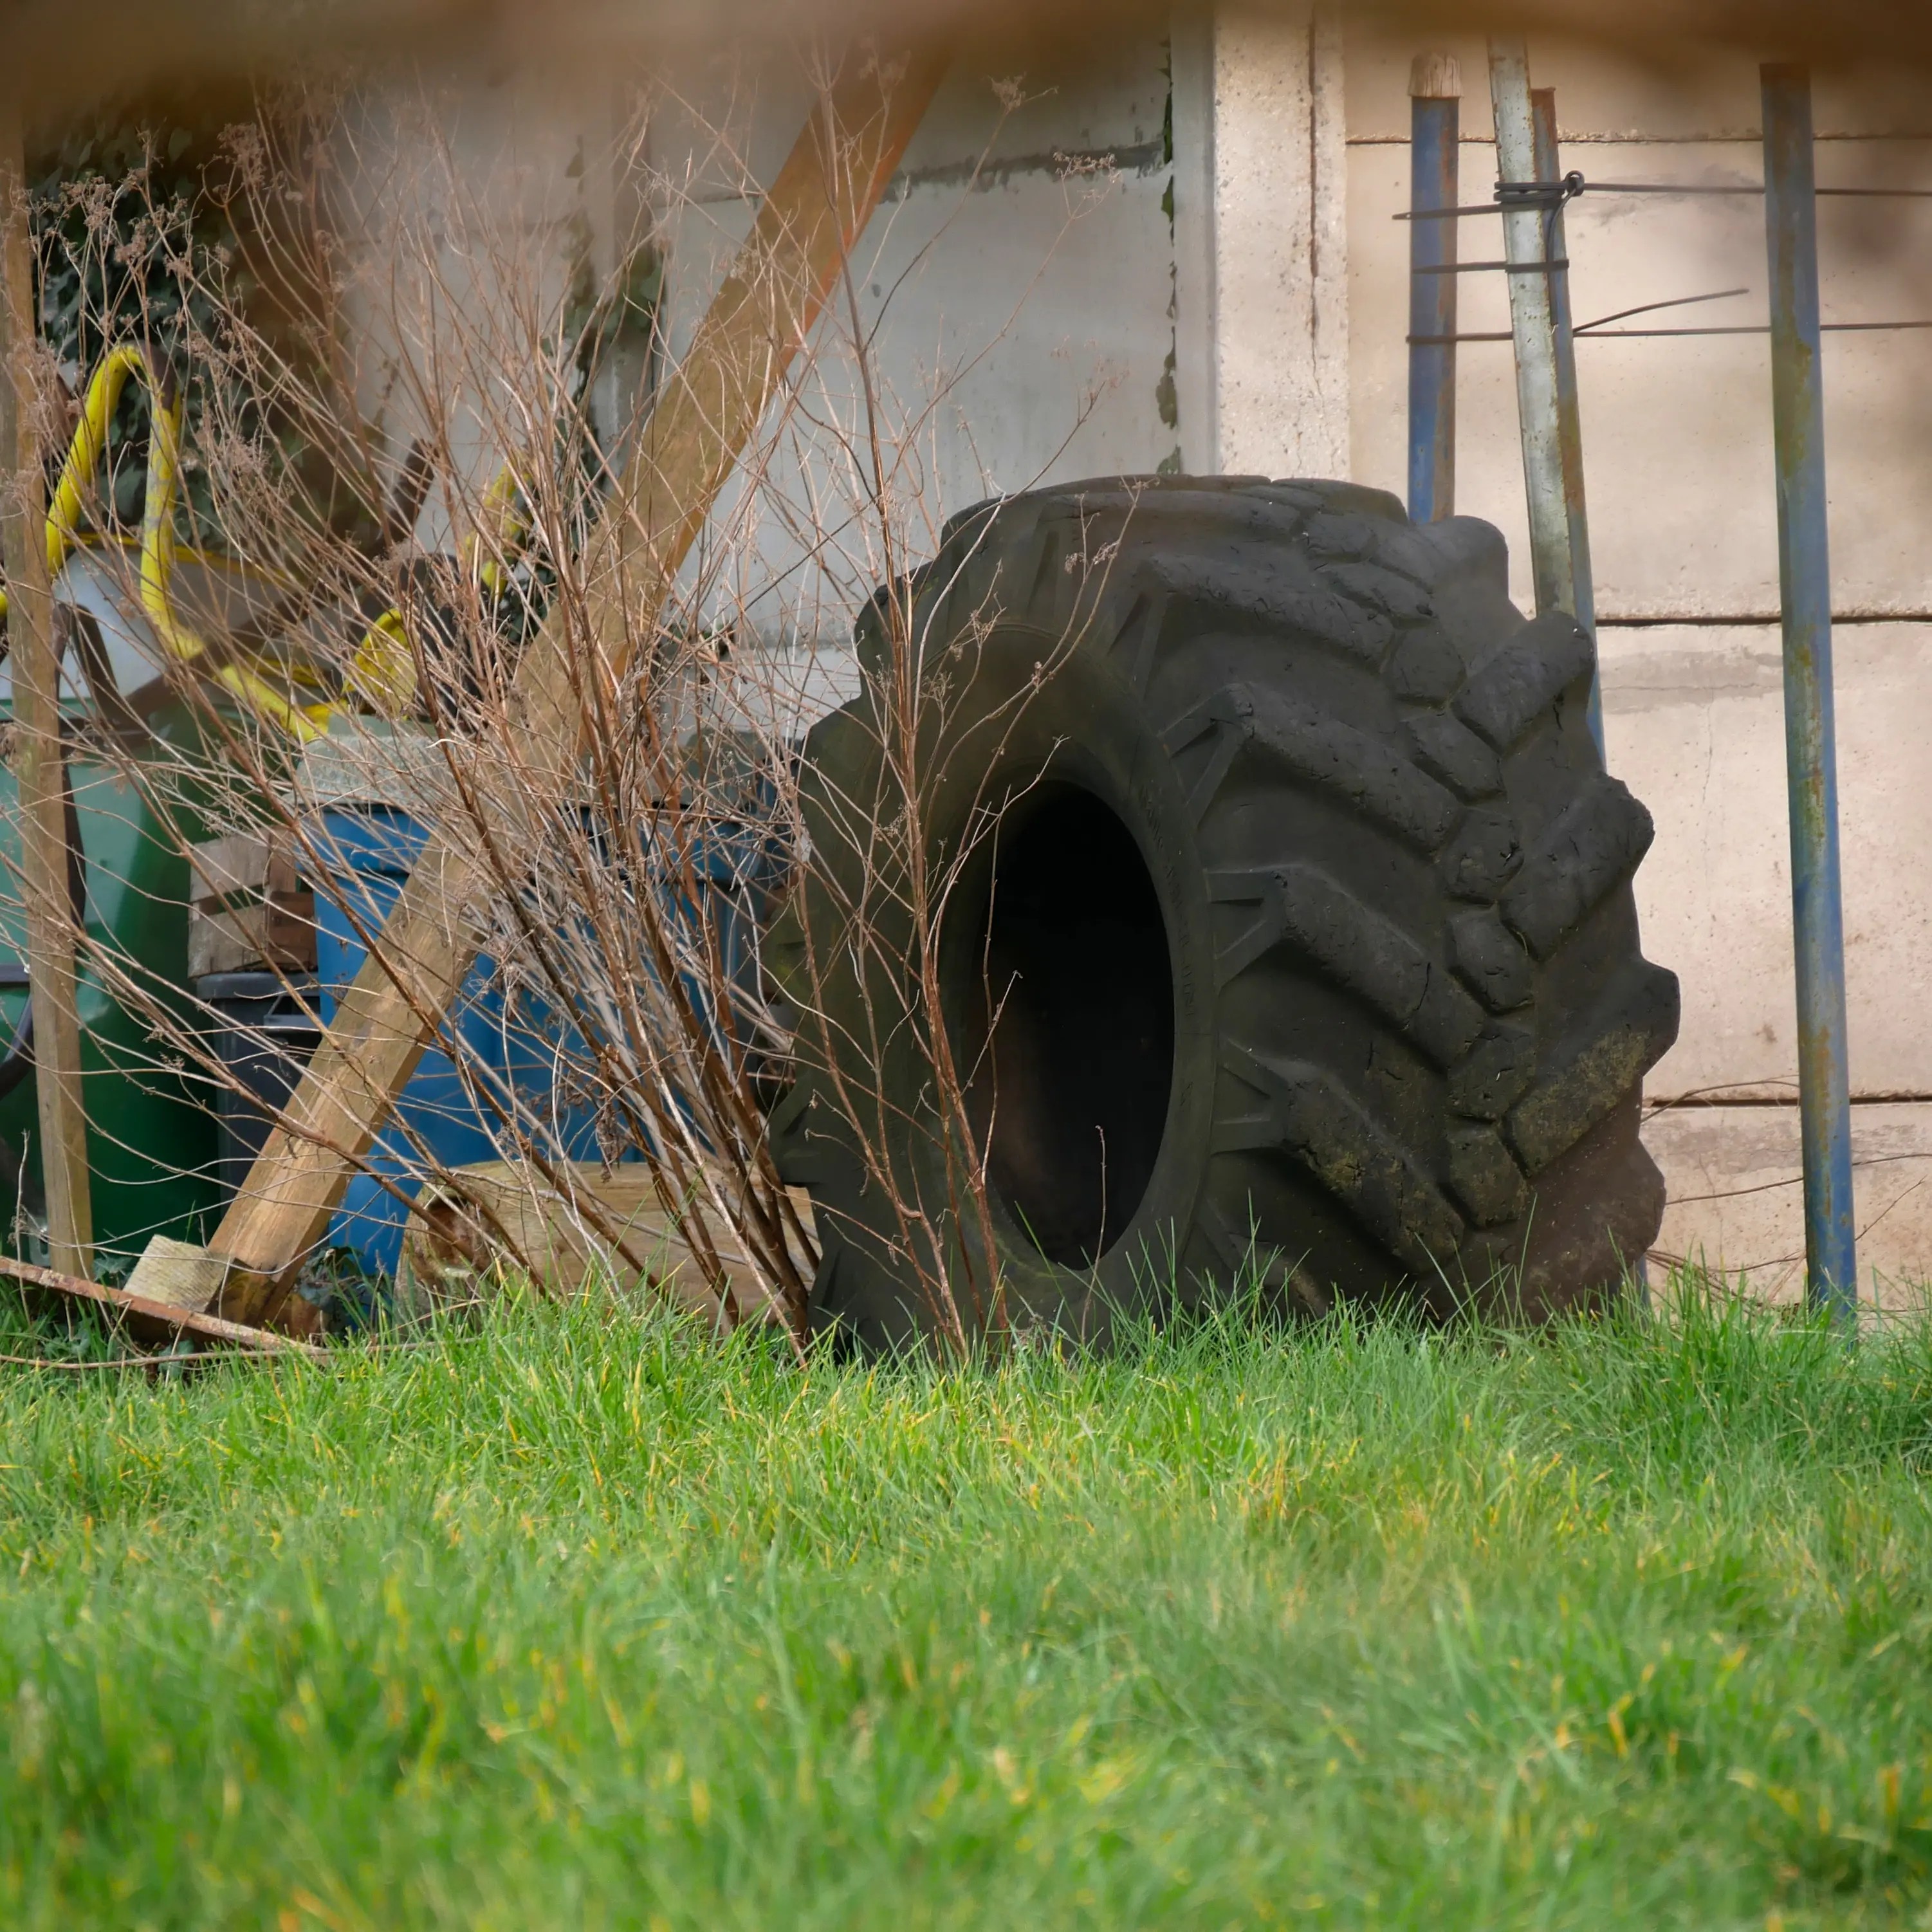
565,1624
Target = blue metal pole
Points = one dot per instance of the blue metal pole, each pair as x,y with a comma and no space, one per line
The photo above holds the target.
1804,580
1435,118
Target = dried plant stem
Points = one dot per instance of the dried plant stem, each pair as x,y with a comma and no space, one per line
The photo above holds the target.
545,635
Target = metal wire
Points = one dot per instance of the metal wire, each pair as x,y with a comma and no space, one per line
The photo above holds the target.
1753,187
1647,308
1505,267
1543,194
1760,329
1552,194
1597,333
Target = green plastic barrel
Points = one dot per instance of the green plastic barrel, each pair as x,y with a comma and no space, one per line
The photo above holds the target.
151,1129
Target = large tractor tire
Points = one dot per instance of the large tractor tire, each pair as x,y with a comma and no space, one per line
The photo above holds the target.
1290,937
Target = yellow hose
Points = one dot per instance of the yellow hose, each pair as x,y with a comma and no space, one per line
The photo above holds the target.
158,523
511,533
382,671
90,444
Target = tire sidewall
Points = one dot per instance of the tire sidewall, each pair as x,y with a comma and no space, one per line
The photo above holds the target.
1012,733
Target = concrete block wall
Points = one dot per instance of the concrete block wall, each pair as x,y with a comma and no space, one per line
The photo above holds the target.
1016,290
1677,460
1180,253
1142,266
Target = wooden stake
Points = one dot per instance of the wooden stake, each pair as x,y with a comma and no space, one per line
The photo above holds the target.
711,405
160,1320
38,759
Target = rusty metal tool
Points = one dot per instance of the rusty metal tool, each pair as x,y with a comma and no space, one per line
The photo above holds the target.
1545,374
146,1314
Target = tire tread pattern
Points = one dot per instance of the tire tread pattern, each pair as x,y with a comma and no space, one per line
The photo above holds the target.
1475,986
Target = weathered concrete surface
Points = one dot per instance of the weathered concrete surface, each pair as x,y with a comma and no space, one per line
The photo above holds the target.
1261,230
1678,456
1016,295
1676,430
1693,719
1736,1203
1055,290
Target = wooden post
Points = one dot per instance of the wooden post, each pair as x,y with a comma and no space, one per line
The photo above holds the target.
39,763
711,405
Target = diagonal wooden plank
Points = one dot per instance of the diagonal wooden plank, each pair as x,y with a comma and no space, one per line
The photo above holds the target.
711,404
161,1318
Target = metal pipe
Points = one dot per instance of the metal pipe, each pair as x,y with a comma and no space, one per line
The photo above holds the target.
1804,582
1569,415
1434,118
1559,528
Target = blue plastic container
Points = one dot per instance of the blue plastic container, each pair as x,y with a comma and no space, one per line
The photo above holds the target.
514,1050
511,1051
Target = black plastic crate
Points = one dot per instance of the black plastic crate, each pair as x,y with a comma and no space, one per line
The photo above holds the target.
267,1027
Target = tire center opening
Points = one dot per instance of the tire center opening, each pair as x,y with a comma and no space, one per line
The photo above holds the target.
1071,978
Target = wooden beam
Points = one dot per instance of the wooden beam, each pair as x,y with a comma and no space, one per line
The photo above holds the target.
39,761
710,407
159,1319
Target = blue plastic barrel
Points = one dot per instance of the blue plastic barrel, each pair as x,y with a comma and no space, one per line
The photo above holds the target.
514,1048
509,1048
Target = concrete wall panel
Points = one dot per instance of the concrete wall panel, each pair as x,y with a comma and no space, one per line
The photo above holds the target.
1280,328
1676,430
1737,1199
1694,720
1677,449
1017,290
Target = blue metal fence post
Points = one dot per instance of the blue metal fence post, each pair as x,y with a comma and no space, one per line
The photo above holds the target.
1804,580
1434,116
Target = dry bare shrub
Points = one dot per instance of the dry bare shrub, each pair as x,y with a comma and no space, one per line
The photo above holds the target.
419,378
